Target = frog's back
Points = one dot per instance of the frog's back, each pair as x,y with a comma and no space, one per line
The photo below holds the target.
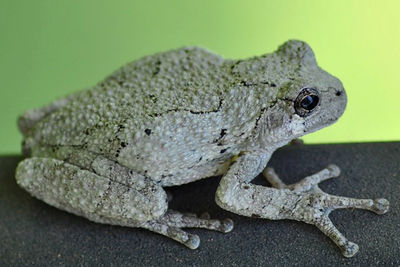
151,85
175,95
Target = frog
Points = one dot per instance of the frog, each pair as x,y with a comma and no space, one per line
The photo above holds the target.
110,152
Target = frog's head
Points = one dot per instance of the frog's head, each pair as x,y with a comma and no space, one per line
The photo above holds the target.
307,99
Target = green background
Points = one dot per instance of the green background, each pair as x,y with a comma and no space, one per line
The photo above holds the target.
51,48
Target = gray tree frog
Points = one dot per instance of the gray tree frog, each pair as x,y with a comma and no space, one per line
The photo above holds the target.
179,116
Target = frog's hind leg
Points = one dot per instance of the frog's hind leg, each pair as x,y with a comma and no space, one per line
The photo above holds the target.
99,198
327,203
111,194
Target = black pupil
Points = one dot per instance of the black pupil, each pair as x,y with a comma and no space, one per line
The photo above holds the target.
309,102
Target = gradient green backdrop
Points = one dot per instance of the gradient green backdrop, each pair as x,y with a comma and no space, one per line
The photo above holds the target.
50,48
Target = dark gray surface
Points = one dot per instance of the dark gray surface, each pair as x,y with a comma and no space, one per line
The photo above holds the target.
32,232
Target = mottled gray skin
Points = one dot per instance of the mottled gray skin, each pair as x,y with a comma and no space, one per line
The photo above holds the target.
177,117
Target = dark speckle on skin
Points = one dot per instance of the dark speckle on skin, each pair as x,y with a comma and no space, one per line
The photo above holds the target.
153,98
223,132
157,68
147,131
269,83
247,84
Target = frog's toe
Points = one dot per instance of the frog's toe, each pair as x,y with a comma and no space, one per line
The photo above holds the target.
172,222
309,183
193,241
381,206
349,249
160,226
334,170
174,218
226,225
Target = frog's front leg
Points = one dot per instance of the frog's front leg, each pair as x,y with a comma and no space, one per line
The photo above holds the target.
111,194
303,201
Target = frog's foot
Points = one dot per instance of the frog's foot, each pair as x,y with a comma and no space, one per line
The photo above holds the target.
171,222
314,205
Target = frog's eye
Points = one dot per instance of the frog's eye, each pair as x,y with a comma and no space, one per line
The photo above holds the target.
306,101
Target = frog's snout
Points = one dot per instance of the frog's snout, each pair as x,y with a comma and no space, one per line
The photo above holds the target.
338,96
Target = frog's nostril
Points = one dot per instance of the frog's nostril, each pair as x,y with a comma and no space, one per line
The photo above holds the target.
338,93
